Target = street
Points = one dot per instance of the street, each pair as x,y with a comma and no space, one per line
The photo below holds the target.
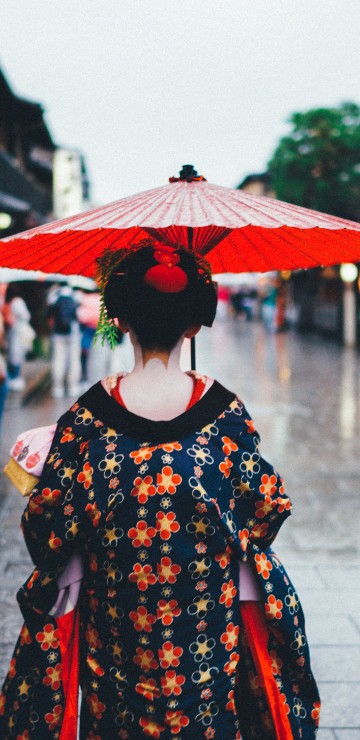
303,393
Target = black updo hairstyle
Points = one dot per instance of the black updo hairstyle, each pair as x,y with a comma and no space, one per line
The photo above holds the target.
159,318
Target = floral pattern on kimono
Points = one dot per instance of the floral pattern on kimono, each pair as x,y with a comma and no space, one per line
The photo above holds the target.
161,513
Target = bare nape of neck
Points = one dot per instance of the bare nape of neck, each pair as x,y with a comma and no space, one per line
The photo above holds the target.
157,388
151,354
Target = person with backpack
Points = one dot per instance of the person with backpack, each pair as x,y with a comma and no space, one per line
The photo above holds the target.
19,335
66,343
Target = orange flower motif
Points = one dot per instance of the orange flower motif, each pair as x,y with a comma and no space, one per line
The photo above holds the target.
12,668
53,719
230,706
49,638
244,539
223,558
92,637
167,480
53,677
229,638
148,688
286,706
250,425
96,707
94,666
143,576
140,456
225,467
263,565
315,714
167,611
268,484
141,535
151,728
171,447
35,504
167,571
230,666
284,504
200,547
143,489
228,594
176,720
25,637
54,542
169,655
259,530
143,621
263,508
229,445
145,659
93,513
68,510
85,476
2,705
273,608
171,683
50,496
35,575
166,524
68,435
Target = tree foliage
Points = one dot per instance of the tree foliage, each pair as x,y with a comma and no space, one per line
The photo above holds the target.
317,165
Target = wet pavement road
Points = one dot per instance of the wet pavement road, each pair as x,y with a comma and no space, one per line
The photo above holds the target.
304,395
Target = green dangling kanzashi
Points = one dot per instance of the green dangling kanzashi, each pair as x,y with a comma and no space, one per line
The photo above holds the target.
106,328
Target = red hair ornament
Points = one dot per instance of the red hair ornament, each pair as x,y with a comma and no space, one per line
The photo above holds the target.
166,277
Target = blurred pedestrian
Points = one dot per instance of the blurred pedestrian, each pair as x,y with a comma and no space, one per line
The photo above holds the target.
223,301
19,335
156,505
66,343
268,296
88,314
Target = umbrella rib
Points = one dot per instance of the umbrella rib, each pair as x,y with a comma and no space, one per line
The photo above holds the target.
77,237
280,237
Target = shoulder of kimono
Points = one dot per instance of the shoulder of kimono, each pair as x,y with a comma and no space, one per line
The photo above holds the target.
236,418
80,420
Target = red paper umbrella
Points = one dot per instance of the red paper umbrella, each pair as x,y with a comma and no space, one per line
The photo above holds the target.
237,232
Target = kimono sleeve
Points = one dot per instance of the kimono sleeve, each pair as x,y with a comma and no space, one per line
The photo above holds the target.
53,521
253,503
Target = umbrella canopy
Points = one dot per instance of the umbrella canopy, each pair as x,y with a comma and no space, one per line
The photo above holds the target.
236,231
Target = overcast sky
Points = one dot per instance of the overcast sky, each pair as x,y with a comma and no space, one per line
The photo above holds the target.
143,86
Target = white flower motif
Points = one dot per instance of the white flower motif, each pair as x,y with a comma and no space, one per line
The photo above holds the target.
250,463
201,454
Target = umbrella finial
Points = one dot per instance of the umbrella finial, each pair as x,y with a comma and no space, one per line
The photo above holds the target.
188,174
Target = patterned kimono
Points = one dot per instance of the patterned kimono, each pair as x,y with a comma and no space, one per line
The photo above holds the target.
162,512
